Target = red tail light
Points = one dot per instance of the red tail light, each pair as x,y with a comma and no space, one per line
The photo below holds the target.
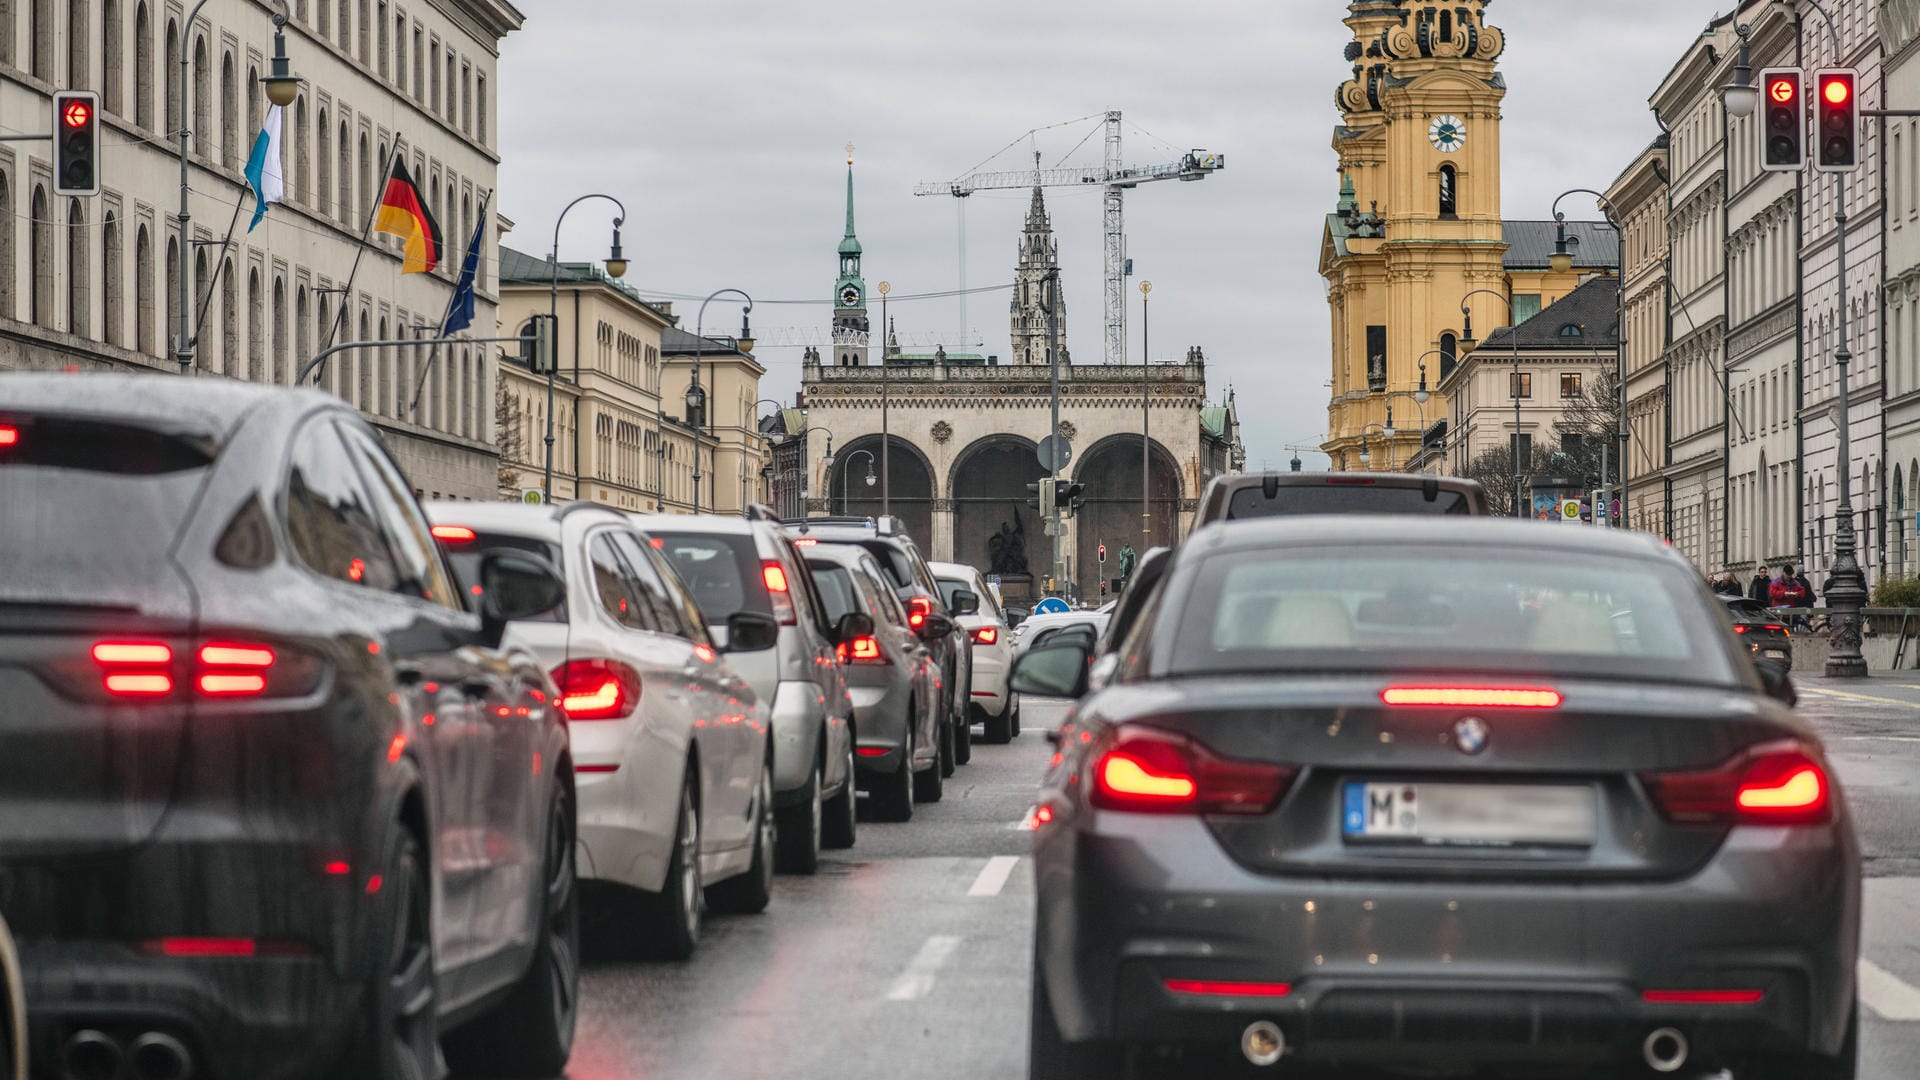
133,652
1776,784
775,577
806,541
863,650
1149,771
1472,697
204,947
234,670
9,436
454,534
135,669
597,689
134,684
1214,988
223,669
1779,629
986,635
918,608
1703,997
1740,628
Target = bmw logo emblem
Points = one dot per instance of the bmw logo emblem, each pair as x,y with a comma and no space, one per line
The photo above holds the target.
1471,735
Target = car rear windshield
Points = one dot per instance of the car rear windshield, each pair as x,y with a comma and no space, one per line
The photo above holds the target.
466,562
835,583
723,572
1345,498
951,586
91,507
898,567
1448,609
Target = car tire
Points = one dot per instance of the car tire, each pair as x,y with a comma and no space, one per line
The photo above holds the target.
751,892
962,739
1013,710
949,746
530,1034
400,1028
999,729
798,850
1051,1057
843,810
669,923
930,785
893,794
1841,1066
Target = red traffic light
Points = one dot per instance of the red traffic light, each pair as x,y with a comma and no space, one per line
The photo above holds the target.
1836,90
1782,91
77,114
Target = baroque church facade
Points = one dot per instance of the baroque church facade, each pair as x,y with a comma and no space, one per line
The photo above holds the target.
961,433
1417,239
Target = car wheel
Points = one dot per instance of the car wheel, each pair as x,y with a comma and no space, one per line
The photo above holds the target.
402,1040
1051,1057
962,739
930,785
893,794
999,729
843,810
669,925
530,1034
949,746
1013,709
1841,1066
751,892
799,845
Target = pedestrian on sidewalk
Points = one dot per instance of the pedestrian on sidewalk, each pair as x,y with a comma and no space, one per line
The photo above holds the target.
1807,586
1785,592
1726,584
1758,588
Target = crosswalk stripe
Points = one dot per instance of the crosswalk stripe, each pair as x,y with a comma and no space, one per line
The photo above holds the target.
1886,994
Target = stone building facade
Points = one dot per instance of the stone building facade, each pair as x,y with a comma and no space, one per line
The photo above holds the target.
1639,198
90,284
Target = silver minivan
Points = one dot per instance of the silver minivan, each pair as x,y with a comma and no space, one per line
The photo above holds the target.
732,566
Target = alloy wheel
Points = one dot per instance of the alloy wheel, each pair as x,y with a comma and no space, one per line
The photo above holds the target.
410,975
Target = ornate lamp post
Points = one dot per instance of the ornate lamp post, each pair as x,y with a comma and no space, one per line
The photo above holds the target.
886,441
616,267
846,499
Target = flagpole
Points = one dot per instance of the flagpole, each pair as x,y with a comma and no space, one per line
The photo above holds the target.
365,235
420,385
206,302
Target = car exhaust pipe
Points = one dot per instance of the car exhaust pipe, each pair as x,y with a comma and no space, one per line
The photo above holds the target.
1263,1044
1665,1050
91,1055
159,1056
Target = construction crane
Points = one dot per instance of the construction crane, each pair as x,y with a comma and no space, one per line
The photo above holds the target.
1116,178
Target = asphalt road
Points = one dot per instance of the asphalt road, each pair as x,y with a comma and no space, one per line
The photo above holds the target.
907,957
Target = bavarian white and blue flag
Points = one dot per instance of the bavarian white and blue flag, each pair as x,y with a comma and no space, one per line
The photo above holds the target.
266,171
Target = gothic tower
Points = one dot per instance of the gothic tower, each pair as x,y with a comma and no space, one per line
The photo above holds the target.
1417,226
851,327
1034,331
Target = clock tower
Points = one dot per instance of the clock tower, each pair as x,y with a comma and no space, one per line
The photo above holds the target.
851,327
1418,223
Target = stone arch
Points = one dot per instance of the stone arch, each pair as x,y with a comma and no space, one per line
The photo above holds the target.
1110,512
987,487
911,482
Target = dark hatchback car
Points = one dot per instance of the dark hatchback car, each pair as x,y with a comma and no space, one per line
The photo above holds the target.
273,801
1262,495
1762,629
1535,815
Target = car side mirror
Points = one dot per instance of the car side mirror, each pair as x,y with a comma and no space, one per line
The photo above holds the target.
751,631
1779,683
853,626
1053,671
935,626
515,585
966,603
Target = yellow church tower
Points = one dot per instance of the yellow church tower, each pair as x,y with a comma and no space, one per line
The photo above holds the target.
1418,225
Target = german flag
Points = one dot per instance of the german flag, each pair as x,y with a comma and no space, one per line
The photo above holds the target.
403,213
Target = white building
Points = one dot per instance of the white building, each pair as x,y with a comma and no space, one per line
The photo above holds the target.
88,284
1899,24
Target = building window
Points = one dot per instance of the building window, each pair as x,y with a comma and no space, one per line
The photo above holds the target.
480,108
1449,355
1570,385
229,114
1571,330
1521,384
79,275
1377,359
256,330
1449,195
110,275
40,258
143,292
172,84
79,65
1525,306
110,62
40,40
7,307
202,98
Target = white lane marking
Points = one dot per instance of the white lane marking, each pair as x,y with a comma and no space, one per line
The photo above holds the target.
917,981
1886,995
1882,738
993,876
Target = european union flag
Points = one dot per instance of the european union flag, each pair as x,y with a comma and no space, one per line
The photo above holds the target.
460,310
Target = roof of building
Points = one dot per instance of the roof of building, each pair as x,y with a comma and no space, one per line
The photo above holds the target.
677,342
1531,243
520,268
1592,310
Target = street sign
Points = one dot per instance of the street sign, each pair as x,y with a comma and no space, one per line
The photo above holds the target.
1051,447
1052,605
533,497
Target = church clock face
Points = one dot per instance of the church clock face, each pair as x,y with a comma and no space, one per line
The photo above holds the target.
850,297
1447,134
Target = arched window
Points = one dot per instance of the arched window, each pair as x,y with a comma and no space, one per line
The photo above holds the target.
79,272
345,144
7,307
202,98
229,114
142,67
1446,26
113,83
40,258
256,328
366,174
363,366
383,389
1449,191
1571,330
279,372
203,357
169,299
254,123
303,164
143,314
345,29
114,313
172,62
323,190
40,40
79,34
229,321
1449,354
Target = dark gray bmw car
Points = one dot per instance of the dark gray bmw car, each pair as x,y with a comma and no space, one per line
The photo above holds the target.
1465,798
274,801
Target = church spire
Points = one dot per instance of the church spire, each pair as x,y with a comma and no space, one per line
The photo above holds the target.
850,324
1033,326
850,245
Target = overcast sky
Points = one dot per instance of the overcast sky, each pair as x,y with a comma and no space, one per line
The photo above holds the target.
721,125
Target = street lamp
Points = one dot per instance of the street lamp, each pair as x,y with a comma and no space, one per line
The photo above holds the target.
282,88
1740,96
617,267
886,440
1563,258
1848,594
846,498
1146,420
1513,334
696,394
1366,456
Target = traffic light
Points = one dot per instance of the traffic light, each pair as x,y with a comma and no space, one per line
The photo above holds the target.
1072,497
537,344
1103,557
1783,128
1836,110
1046,496
1033,502
76,143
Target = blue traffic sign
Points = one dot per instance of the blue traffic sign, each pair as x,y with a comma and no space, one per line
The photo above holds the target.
1052,605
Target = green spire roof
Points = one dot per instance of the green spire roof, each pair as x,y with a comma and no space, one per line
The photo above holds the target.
851,244
1347,204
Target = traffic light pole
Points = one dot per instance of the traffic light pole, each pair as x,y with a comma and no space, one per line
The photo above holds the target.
1848,593
1053,430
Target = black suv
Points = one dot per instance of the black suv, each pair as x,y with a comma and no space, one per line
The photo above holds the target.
914,583
1263,495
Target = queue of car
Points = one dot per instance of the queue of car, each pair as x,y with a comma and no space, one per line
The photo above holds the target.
376,770
1489,795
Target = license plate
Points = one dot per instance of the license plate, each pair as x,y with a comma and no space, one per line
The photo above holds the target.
1774,654
1489,815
